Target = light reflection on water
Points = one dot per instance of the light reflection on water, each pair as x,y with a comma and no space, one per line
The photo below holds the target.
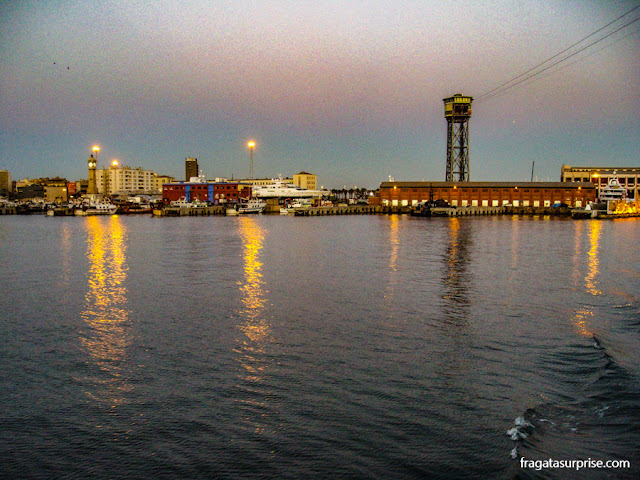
435,336
584,315
252,287
455,277
252,395
105,310
593,269
66,258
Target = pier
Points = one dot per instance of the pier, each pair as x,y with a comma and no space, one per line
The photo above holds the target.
338,210
170,211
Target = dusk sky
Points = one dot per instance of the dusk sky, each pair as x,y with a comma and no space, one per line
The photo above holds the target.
349,90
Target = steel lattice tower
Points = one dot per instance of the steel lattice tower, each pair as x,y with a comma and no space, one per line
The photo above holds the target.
457,112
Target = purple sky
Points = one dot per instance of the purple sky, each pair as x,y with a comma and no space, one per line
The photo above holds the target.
351,91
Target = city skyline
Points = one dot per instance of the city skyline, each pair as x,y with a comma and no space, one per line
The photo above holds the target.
351,92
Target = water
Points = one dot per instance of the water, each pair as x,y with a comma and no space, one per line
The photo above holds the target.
321,347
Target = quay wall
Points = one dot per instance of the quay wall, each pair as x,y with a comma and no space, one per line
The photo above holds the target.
8,210
344,210
190,212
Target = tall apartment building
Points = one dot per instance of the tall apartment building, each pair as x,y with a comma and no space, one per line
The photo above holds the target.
122,179
190,168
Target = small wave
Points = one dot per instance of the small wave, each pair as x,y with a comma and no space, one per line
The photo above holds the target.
521,430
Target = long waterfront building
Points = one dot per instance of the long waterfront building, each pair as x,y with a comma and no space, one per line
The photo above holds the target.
488,194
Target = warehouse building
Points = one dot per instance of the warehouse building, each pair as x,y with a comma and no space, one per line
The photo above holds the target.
488,194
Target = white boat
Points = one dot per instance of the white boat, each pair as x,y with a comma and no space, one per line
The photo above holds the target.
232,211
613,191
280,189
96,208
290,207
183,203
252,206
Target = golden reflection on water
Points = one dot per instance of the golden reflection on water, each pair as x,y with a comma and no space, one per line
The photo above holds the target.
594,264
254,325
252,288
581,318
394,241
105,309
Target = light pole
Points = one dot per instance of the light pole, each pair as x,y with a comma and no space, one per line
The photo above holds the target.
96,149
251,144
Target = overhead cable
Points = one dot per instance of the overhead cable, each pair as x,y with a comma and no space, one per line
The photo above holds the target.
535,71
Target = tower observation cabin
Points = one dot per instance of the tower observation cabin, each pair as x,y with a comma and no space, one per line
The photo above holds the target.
457,112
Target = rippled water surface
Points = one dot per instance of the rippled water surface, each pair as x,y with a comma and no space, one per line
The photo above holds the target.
319,347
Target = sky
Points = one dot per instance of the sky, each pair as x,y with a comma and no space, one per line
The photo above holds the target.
349,90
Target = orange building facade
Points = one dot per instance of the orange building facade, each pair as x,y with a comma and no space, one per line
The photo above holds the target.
488,194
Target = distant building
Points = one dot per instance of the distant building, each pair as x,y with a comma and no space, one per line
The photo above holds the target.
160,180
71,188
56,190
212,192
600,176
119,179
190,168
6,186
28,191
488,194
306,180
50,189
82,186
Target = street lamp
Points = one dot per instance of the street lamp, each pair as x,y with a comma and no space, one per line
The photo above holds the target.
251,144
96,149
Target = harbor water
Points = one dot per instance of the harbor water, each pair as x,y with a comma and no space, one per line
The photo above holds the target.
318,347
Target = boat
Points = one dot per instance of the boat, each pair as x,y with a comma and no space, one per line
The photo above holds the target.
232,210
290,206
134,209
183,203
251,206
281,189
61,210
96,208
613,191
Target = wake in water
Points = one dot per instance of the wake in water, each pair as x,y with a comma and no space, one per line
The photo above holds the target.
601,422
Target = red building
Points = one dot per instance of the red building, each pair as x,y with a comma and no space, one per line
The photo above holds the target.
212,192
488,194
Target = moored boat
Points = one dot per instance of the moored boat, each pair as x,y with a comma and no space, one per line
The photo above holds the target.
251,206
281,189
613,191
96,208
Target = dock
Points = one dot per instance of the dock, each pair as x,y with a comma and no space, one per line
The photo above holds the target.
337,210
170,211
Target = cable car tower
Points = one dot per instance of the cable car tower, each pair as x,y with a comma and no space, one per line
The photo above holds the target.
457,111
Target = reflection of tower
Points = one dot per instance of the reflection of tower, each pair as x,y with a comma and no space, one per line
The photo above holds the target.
92,188
457,112
190,168
456,279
